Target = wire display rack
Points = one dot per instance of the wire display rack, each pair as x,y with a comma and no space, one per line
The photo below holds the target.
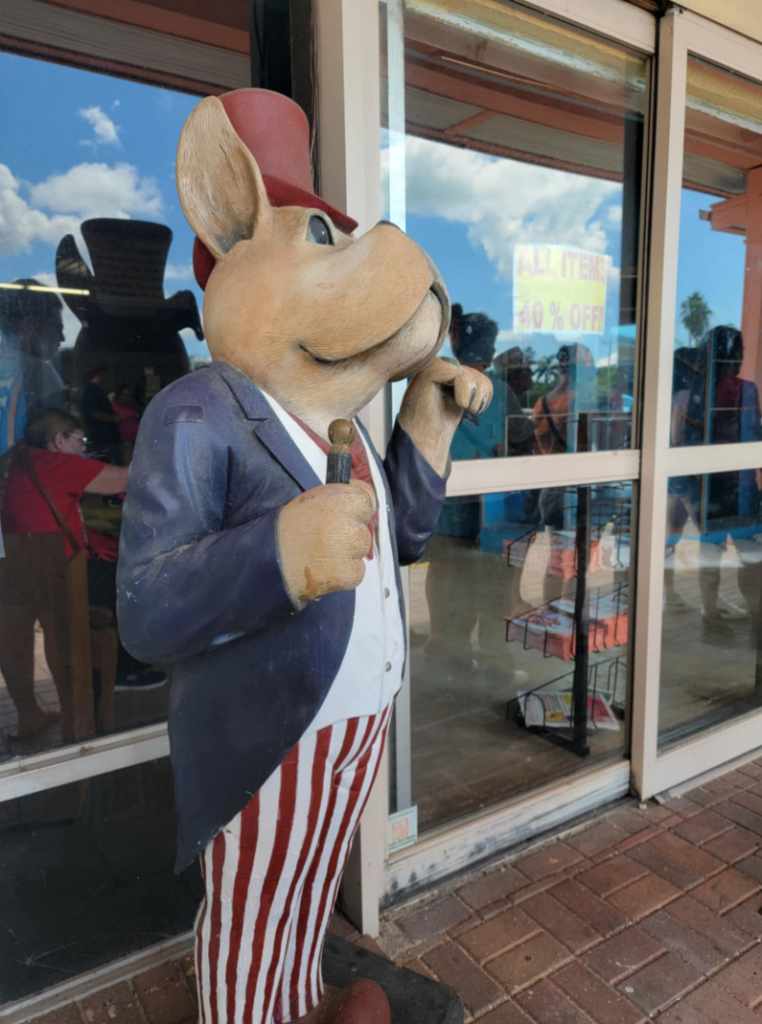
595,510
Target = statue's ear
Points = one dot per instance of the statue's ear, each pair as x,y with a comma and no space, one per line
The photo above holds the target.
218,180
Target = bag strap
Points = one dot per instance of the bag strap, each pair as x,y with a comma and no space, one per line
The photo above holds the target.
552,424
22,453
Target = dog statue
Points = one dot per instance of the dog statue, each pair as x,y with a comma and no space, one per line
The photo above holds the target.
275,595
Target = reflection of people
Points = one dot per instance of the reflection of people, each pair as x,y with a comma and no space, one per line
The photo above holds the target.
101,421
731,502
31,322
555,414
478,433
683,492
47,479
457,565
126,408
513,381
559,428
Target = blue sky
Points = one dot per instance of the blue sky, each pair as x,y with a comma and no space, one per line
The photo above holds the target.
65,171
711,262
77,144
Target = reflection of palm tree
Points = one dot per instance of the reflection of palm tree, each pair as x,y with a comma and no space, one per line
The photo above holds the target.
546,367
695,314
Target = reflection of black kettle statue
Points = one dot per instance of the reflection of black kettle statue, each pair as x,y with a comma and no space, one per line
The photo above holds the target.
127,323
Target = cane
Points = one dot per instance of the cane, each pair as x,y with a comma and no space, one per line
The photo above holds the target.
341,434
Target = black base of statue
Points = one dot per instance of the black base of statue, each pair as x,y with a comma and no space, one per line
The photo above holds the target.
413,998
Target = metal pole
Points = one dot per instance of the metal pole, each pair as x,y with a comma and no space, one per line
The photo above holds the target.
582,623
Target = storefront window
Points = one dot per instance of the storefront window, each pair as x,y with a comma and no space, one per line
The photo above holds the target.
710,666
513,155
518,622
98,311
718,356
89,877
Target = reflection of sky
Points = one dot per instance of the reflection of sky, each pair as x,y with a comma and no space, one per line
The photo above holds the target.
468,210
65,172
710,262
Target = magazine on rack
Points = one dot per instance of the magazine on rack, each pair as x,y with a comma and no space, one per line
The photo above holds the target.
553,710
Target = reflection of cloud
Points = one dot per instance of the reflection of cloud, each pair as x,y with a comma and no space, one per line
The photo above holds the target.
504,202
614,215
178,272
97,190
70,323
87,190
21,224
105,131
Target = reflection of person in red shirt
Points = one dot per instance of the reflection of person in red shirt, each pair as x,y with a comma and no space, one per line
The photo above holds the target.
126,408
47,479
55,444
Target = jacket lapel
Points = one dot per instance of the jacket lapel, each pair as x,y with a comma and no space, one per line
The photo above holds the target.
267,426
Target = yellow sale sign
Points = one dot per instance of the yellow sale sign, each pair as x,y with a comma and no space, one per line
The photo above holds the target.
559,290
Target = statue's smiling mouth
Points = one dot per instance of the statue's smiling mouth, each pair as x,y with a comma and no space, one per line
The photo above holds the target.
436,289
337,361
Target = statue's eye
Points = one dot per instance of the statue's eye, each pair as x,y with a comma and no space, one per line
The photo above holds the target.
319,231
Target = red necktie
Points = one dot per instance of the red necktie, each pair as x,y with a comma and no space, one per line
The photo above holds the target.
360,466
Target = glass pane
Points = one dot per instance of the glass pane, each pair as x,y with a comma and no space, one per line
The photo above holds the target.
90,877
98,311
516,163
718,359
711,666
518,625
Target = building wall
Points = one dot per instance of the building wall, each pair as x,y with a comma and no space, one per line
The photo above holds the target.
741,15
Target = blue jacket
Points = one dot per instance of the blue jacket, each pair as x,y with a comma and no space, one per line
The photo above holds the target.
200,586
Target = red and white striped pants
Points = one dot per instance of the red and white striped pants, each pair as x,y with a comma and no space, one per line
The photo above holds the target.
272,876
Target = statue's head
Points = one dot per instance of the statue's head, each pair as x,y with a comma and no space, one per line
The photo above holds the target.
317,318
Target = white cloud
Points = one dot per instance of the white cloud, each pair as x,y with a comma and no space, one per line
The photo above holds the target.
97,190
178,272
614,215
87,190
504,202
105,131
21,224
71,325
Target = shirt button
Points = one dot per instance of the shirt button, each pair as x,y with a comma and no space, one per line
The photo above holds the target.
388,666
387,592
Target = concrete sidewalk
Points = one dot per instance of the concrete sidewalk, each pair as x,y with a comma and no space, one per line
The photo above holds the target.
652,913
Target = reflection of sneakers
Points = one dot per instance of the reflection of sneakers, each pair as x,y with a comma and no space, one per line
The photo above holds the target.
150,679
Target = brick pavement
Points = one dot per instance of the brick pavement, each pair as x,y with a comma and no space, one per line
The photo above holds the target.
651,913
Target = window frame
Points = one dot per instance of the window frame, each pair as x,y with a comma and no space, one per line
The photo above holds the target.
681,35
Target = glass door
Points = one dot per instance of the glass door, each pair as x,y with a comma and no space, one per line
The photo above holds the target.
513,151
699,667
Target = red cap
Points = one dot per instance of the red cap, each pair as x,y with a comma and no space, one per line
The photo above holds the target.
277,134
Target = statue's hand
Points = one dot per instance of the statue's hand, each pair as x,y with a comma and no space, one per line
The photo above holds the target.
323,537
434,403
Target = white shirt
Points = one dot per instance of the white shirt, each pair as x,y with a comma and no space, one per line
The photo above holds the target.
371,673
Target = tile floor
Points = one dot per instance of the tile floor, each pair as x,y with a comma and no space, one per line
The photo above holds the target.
647,913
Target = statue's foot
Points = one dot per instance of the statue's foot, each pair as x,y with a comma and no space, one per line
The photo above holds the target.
363,1002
